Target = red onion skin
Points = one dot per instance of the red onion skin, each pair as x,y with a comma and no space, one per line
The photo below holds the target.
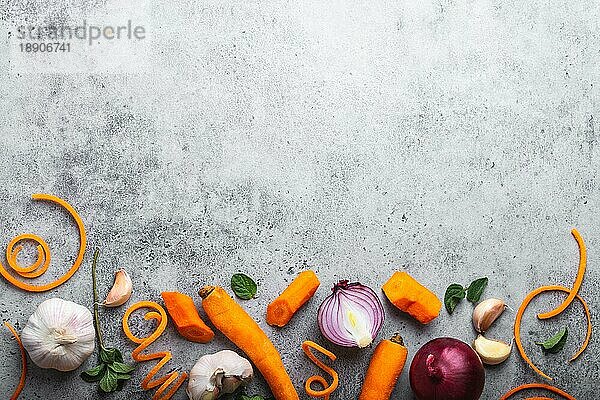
447,369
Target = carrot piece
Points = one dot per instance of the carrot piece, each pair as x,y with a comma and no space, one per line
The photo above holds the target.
21,384
43,260
578,279
537,386
385,367
231,319
185,316
327,389
519,317
283,308
160,316
410,296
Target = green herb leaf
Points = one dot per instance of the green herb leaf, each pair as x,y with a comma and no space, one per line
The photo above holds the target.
94,374
110,356
255,397
121,368
556,342
454,294
475,289
123,377
243,286
109,381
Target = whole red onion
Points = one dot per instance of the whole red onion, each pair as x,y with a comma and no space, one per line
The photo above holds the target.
447,369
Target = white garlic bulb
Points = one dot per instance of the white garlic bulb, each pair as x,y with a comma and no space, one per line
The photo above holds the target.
216,374
59,335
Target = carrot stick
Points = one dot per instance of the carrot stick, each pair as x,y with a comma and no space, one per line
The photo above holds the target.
283,308
21,384
183,312
327,389
160,316
519,317
385,367
537,386
407,294
578,281
43,260
231,319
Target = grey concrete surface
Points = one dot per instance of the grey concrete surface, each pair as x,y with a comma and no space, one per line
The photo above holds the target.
450,139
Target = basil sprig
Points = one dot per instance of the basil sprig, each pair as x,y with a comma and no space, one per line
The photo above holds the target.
556,342
243,286
255,397
475,289
111,372
455,293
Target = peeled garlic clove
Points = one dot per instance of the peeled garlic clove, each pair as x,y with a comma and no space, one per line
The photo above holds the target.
492,352
486,313
217,374
121,290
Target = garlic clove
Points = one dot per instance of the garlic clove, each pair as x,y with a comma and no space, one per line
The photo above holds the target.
230,384
486,313
492,352
121,290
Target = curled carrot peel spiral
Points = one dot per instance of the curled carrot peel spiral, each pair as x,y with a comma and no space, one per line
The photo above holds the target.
578,280
519,317
537,386
572,294
160,316
21,384
42,262
327,389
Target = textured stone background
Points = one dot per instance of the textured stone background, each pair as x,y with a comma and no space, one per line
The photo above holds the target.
453,139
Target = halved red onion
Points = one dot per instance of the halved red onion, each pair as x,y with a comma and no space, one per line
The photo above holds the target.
351,316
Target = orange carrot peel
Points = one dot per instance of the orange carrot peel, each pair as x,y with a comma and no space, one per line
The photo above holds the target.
572,294
21,384
160,316
578,280
537,386
327,388
42,262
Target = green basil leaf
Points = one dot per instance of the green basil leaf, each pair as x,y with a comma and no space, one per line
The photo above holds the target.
121,368
123,377
110,356
243,286
475,289
556,342
109,381
454,294
93,374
